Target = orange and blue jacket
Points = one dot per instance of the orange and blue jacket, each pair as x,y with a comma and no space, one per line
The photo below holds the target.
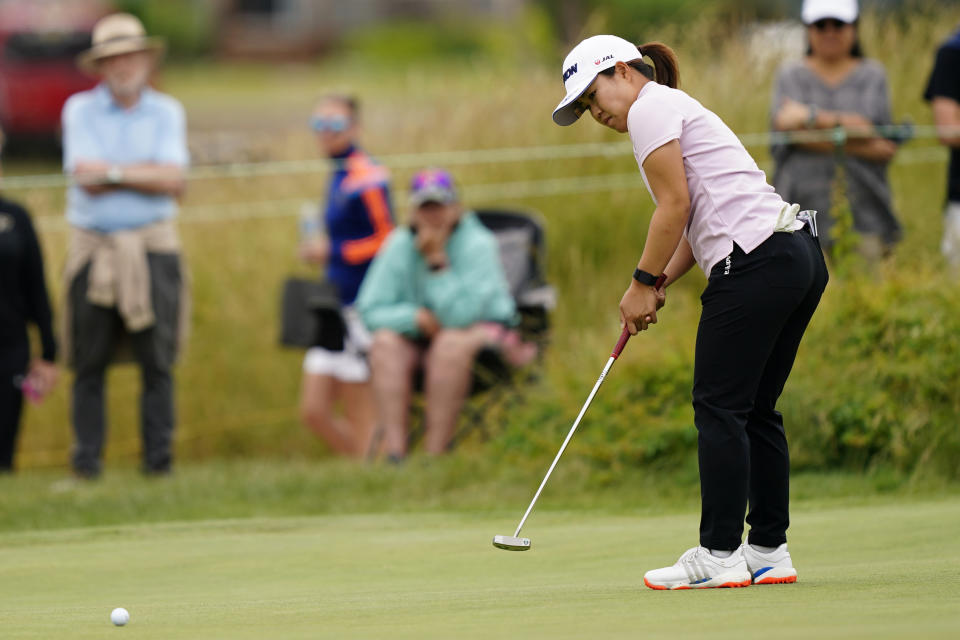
358,219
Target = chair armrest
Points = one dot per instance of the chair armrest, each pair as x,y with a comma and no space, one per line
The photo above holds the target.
544,297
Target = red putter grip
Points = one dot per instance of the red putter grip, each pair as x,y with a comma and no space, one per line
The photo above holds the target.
621,343
625,334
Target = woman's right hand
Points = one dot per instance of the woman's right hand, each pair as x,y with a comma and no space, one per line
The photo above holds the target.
427,323
638,307
432,242
315,250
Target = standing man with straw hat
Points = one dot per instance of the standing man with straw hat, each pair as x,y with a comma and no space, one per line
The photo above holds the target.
125,152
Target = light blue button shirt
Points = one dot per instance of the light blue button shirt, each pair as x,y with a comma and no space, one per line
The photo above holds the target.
95,127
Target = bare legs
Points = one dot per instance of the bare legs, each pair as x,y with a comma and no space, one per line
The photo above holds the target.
393,360
448,365
349,435
448,373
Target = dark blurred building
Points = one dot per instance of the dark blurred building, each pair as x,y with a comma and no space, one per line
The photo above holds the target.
292,28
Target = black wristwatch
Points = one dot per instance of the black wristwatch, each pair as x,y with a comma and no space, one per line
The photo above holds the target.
645,278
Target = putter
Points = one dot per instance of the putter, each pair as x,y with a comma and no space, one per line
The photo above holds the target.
515,542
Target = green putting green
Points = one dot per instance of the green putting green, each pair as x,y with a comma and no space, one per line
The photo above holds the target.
880,570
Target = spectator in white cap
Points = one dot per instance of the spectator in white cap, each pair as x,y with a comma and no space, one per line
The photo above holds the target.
766,273
835,86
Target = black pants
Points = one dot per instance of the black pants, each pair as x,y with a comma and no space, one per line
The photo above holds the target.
96,332
756,308
13,365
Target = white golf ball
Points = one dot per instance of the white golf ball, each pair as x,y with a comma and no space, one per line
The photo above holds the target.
119,616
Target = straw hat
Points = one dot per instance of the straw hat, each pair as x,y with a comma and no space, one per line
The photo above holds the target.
116,34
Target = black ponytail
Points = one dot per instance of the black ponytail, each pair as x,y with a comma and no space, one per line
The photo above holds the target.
665,64
665,69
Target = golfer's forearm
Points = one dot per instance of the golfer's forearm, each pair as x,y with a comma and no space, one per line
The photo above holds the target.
681,262
664,236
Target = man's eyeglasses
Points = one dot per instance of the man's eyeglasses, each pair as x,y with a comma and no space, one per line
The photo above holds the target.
833,23
333,125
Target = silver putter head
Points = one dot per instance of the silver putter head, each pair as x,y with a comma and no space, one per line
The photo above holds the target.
511,543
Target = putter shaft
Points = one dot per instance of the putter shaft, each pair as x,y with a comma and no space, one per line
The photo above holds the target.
621,343
569,435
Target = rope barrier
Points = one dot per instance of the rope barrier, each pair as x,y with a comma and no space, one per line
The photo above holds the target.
546,187
241,170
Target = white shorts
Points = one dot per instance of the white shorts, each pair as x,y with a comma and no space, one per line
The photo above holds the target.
951,235
349,365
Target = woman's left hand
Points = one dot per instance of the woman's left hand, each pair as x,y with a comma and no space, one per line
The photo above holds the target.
638,307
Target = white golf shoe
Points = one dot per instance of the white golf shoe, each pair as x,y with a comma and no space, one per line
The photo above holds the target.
775,567
699,569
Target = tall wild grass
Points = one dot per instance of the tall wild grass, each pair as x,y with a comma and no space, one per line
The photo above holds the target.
876,380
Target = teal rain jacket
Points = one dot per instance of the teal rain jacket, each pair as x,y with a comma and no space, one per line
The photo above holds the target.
471,289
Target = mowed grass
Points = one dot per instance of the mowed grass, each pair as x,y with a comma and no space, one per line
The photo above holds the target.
882,569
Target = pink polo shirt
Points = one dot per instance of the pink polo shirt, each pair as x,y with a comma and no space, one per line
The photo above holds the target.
730,200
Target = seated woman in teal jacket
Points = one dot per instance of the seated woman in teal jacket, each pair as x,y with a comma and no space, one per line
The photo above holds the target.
433,297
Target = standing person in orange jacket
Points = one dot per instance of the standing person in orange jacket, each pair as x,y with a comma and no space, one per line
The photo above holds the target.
355,223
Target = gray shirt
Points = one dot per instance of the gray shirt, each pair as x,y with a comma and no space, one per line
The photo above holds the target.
806,177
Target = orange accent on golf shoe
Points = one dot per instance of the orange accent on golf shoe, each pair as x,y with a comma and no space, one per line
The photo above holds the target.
787,580
745,583
654,586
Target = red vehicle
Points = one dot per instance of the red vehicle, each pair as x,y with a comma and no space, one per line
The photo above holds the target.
39,41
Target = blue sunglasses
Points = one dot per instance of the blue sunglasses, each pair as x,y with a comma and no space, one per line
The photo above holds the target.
333,125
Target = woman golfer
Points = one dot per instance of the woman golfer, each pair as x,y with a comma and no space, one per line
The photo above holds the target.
766,274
